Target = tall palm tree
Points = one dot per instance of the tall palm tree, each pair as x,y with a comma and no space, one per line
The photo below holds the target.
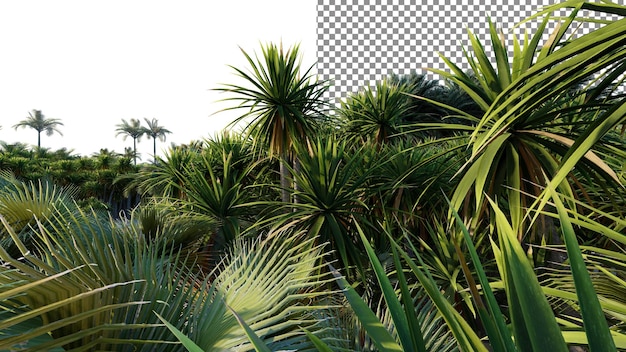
131,129
155,131
37,121
284,103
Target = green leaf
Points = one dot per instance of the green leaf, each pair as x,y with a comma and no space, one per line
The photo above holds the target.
258,344
534,325
417,336
499,334
594,320
187,342
400,319
319,344
375,329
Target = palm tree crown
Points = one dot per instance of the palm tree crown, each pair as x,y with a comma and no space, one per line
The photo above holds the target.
131,129
282,100
284,103
155,131
37,121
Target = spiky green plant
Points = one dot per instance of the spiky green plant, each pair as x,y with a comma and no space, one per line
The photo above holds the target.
523,139
330,196
284,103
375,114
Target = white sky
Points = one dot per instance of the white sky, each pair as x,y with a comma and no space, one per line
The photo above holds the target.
92,63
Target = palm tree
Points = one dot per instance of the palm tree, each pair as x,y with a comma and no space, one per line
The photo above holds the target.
283,103
131,129
155,131
37,121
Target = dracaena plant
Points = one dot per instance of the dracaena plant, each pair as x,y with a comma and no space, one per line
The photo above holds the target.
375,114
284,103
527,321
526,138
331,188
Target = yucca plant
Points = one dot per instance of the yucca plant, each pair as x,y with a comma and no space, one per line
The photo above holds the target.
165,177
409,179
375,114
222,197
235,144
332,186
522,140
284,103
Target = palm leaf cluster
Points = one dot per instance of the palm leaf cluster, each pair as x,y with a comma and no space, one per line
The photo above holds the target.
97,283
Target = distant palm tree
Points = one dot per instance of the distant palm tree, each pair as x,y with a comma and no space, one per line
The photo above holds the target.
131,129
37,121
155,131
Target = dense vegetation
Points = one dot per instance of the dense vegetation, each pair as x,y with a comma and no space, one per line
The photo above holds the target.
483,212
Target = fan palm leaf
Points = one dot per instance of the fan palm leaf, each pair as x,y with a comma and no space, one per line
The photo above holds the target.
273,285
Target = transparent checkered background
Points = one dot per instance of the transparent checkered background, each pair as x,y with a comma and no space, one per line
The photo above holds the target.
360,42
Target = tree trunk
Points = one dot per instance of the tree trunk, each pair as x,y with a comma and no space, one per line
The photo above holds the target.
284,181
296,168
135,150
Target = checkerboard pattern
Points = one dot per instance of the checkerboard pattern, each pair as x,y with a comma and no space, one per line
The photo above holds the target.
362,41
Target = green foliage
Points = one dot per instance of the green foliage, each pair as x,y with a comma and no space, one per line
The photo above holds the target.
212,260
284,103
329,195
165,178
375,114
526,137
98,282
91,177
